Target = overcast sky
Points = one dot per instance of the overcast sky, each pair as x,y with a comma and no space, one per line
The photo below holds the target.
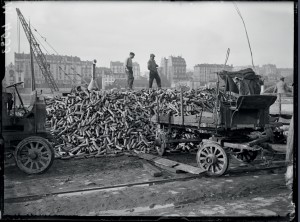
200,32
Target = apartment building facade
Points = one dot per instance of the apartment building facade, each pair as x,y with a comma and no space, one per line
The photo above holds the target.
11,76
207,73
136,70
67,71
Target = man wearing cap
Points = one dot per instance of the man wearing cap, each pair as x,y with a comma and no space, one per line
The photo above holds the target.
128,70
152,67
281,87
242,87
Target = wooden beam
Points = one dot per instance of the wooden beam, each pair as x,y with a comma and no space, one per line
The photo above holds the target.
172,164
170,169
156,159
189,168
152,170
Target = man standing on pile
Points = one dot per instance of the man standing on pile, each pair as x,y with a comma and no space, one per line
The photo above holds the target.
152,67
129,71
281,87
243,89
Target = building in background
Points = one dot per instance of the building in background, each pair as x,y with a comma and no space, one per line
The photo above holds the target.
207,73
173,69
270,73
100,73
117,67
109,78
269,69
136,70
288,73
11,76
116,75
285,72
256,69
163,66
59,65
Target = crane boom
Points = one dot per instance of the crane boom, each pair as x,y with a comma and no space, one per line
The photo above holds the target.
79,75
68,75
38,54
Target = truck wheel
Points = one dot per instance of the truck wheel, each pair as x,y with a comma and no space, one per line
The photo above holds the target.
34,155
212,158
161,144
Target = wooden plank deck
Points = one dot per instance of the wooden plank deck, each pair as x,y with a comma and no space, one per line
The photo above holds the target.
171,164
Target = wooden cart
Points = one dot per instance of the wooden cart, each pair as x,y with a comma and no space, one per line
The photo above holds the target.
240,128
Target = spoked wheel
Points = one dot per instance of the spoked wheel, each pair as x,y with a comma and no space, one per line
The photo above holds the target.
34,155
212,158
246,156
161,139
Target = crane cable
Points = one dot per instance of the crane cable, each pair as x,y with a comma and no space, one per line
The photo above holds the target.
36,37
19,37
240,14
44,38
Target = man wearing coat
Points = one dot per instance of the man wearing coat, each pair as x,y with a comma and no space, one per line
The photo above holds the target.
129,71
152,67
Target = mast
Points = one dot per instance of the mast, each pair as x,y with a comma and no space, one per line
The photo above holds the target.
31,61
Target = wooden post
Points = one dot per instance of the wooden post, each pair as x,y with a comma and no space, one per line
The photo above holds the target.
35,111
157,110
226,84
290,142
217,104
279,103
15,106
181,105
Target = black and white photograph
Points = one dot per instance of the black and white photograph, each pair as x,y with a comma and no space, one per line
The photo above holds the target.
149,110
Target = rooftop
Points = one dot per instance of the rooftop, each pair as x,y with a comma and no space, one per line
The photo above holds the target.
117,63
52,57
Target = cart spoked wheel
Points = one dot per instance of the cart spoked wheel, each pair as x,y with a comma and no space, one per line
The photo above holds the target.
246,156
34,155
161,139
212,158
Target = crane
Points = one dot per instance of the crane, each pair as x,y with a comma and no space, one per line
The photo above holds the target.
68,75
38,54
79,76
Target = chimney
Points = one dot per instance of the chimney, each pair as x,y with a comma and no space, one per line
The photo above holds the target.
93,84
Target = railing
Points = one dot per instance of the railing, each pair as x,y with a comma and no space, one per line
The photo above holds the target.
281,100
